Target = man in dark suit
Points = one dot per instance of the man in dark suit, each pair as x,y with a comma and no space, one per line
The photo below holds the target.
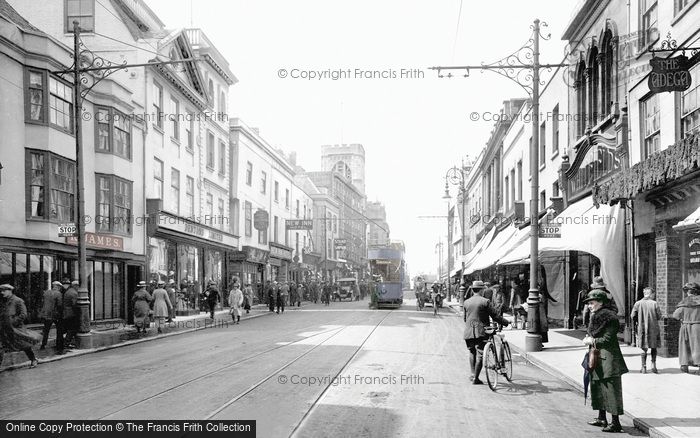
477,311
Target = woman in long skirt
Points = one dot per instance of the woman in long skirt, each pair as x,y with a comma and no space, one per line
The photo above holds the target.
141,301
606,377
235,300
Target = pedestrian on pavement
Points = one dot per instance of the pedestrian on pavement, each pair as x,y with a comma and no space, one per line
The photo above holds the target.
213,297
516,303
142,307
606,377
162,306
174,299
13,335
477,311
69,324
283,296
235,301
599,284
327,290
499,299
688,312
646,315
293,293
487,292
247,297
52,314
271,296
300,294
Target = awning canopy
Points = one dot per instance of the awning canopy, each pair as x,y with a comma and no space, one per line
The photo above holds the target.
478,248
691,222
496,249
597,231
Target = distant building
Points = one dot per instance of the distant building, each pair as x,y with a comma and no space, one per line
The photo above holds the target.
346,159
378,226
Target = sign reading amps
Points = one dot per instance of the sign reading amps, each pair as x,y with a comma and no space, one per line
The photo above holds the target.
669,74
300,224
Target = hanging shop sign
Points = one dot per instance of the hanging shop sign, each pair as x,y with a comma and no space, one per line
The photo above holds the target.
341,244
99,241
299,224
669,74
261,220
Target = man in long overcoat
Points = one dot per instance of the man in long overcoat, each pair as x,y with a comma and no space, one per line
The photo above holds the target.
13,335
646,314
477,311
69,325
688,311
52,313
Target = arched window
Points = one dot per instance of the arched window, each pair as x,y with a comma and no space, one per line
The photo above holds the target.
594,88
607,94
580,86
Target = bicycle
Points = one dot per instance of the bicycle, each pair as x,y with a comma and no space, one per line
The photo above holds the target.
497,358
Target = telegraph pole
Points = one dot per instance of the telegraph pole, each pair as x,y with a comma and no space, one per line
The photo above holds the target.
526,74
84,62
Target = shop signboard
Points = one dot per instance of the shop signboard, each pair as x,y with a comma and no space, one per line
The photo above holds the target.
341,244
67,230
99,241
280,253
261,220
300,224
193,229
694,253
669,74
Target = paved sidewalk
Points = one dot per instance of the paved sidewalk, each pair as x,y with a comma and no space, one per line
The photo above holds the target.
663,405
122,334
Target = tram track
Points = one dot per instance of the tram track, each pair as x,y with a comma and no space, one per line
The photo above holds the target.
234,364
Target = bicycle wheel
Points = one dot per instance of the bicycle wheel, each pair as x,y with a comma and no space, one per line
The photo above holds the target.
491,365
507,362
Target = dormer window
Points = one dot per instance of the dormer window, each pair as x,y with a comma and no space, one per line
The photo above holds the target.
82,11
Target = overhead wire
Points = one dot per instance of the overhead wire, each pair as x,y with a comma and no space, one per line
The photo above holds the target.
120,19
459,18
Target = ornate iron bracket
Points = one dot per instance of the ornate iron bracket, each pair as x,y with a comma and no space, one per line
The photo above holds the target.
671,45
518,66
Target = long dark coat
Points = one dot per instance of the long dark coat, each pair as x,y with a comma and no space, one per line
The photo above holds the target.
647,313
13,335
688,311
477,310
606,382
142,307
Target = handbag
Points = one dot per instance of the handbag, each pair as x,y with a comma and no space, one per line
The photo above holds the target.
593,357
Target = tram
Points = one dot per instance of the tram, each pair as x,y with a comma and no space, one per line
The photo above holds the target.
388,270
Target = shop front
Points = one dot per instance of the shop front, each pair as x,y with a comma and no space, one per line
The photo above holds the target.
192,255
664,194
31,266
280,259
249,265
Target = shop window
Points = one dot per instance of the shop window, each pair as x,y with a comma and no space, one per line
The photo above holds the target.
188,268
50,182
31,275
82,11
113,132
651,126
690,106
114,204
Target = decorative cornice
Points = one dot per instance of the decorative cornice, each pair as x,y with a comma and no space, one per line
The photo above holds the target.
208,58
197,100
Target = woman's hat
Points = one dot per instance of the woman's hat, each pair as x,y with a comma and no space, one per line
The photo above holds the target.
598,283
6,287
691,286
56,283
161,282
596,295
141,284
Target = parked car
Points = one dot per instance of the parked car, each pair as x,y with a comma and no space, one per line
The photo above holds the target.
346,289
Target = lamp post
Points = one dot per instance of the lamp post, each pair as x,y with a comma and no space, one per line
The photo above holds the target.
523,67
455,176
88,70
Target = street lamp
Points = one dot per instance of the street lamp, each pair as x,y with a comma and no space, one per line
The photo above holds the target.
523,67
456,177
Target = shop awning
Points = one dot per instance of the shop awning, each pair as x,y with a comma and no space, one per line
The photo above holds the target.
470,258
455,271
495,250
597,231
691,222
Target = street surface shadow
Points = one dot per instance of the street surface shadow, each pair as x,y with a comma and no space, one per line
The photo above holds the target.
577,334
341,421
670,421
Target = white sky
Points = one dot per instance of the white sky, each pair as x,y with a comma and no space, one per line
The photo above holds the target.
413,130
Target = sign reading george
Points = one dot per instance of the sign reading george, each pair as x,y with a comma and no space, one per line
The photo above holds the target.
669,74
300,224
261,220
67,230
